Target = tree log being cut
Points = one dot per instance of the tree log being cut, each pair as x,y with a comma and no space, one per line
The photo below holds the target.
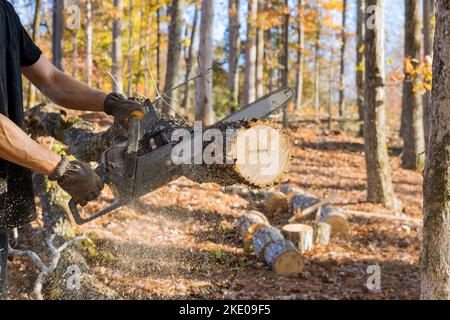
328,213
300,235
256,153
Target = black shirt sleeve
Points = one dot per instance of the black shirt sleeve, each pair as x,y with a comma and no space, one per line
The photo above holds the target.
29,51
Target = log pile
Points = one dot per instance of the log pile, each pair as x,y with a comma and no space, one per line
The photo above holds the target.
269,244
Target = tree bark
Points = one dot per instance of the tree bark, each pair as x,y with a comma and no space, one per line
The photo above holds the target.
360,31
173,55
300,58
204,104
158,47
260,54
89,40
250,54
413,135
317,65
116,70
378,169
342,71
58,33
428,14
130,48
435,259
234,44
285,61
189,59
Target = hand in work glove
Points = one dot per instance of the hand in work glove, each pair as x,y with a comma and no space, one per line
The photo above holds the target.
122,109
78,180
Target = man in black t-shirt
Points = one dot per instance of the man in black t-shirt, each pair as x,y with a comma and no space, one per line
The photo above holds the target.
19,154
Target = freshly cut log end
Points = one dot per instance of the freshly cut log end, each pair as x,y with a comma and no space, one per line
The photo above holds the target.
249,223
263,237
322,233
300,235
277,203
284,258
262,153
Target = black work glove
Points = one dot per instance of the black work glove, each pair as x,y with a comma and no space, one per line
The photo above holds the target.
122,109
78,180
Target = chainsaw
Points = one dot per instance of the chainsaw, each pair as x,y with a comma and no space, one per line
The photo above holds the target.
142,162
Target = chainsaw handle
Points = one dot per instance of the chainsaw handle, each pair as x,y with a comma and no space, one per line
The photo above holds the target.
73,206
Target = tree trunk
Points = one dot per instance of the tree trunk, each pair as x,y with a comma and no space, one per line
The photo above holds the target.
116,70
189,59
428,14
378,169
250,54
204,104
300,58
89,39
285,61
74,53
158,47
435,260
173,55
234,44
317,67
130,48
413,135
360,31
260,54
58,33
342,71
36,23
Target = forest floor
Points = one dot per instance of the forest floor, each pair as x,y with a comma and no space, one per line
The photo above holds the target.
179,242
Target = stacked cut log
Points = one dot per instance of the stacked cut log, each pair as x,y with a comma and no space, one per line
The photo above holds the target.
328,213
269,244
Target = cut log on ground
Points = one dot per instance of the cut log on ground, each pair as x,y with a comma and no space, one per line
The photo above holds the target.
277,203
300,235
284,259
322,233
263,237
249,223
328,213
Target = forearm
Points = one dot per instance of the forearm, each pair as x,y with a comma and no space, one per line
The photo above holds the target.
18,148
63,89
72,94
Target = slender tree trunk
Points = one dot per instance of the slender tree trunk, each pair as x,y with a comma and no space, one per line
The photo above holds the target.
58,33
317,67
204,107
413,137
342,71
435,260
189,59
158,47
89,39
300,58
234,45
36,23
250,54
379,181
285,61
173,54
130,47
428,13
74,53
147,50
330,89
139,73
260,54
360,31
116,71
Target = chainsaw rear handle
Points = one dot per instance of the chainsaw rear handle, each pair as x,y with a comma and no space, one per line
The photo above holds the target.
73,206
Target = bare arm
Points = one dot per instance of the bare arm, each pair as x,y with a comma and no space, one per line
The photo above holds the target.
63,89
18,148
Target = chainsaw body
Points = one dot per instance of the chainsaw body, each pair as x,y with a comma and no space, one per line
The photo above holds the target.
142,163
